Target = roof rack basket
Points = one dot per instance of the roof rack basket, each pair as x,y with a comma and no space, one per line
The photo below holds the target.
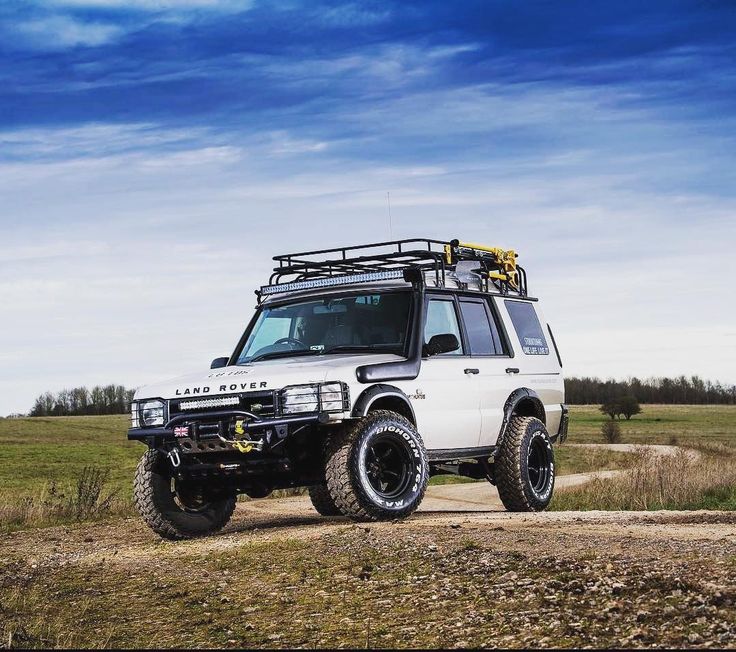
497,268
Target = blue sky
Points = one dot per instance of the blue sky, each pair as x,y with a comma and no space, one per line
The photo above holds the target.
155,154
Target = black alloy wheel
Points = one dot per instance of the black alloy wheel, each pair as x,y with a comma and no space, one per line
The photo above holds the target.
388,467
538,462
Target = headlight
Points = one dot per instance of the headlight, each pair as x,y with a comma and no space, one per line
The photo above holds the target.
134,423
300,398
151,413
323,397
332,397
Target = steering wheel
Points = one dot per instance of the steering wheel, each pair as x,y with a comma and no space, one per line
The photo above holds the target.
290,340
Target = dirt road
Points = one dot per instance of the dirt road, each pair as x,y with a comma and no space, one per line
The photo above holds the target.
461,572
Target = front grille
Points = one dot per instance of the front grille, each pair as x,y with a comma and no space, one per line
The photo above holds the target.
262,404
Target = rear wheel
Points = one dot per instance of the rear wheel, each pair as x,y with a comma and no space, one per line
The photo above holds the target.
176,510
322,501
525,466
378,469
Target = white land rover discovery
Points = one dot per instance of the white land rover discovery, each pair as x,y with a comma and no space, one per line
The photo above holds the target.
364,371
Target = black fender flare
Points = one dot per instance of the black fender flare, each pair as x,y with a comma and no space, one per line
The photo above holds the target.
533,407
373,393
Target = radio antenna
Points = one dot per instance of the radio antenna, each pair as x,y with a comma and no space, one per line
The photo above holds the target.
390,222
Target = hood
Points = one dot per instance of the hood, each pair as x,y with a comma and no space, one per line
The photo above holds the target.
265,375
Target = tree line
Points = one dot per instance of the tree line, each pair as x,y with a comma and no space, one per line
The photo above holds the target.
107,399
115,399
682,391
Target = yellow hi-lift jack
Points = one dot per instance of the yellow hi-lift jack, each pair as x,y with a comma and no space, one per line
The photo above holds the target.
504,259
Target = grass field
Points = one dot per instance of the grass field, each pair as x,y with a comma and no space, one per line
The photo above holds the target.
660,424
39,450
42,455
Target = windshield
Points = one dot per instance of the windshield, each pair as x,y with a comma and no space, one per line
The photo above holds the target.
369,323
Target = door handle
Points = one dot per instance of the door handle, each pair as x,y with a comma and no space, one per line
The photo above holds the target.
512,370
472,371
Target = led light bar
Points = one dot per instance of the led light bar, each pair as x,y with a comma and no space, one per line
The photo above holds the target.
209,402
332,281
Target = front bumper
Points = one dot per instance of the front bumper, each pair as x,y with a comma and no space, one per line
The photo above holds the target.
205,426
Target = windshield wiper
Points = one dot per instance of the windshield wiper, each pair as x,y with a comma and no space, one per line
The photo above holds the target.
283,354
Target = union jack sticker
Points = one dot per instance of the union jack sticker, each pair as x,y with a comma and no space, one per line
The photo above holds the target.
181,431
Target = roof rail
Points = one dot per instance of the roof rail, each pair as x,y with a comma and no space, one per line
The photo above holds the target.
389,260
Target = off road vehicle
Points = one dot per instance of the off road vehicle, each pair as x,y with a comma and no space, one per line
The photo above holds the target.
364,371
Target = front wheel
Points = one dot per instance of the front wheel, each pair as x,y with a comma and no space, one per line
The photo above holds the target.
175,510
378,469
525,466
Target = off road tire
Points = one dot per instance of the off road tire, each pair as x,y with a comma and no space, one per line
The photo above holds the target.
322,501
377,469
525,466
157,504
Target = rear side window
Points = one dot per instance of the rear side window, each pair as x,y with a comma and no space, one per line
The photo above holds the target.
527,327
478,328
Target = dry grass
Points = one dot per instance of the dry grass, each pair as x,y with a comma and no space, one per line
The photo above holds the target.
705,479
86,499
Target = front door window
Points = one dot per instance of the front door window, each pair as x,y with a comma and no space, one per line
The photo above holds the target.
441,320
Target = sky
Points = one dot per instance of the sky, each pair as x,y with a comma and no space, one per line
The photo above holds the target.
154,155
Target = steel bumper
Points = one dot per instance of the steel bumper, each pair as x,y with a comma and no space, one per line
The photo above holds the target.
252,424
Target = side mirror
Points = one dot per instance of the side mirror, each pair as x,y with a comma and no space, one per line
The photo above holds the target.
219,362
443,343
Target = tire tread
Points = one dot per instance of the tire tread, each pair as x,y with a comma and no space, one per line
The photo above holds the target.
144,500
342,467
322,500
509,478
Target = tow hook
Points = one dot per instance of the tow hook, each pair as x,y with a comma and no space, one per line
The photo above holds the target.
174,458
246,446
243,445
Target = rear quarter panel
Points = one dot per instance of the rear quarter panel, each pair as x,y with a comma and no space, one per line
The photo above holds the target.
539,372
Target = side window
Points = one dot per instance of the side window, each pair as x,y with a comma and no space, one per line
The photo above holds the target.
442,319
478,328
527,327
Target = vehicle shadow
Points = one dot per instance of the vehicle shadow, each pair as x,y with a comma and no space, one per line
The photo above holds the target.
248,523
259,522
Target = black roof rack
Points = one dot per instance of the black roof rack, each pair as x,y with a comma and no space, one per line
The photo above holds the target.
389,260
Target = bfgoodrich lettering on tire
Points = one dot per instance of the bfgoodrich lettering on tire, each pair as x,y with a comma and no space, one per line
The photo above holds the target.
377,470
174,511
525,466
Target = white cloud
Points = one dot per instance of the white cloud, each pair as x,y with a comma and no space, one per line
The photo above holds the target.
58,32
282,143
202,156
56,25
155,5
92,140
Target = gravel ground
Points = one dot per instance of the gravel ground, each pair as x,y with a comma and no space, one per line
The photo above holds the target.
281,576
